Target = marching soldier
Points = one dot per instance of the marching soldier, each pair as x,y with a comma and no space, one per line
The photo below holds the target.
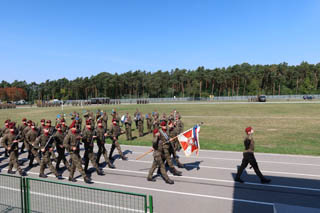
58,138
5,130
115,132
155,113
156,122
72,143
42,125
46,147
157,144
173,133
31,137
98,115
10,143
128,123
164,118
149,122
166,148
21,128
135,117
179,124
248,157
101,137
88,136
171,116
64,128
105,121
140,120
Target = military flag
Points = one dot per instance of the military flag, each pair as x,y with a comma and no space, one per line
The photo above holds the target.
189,140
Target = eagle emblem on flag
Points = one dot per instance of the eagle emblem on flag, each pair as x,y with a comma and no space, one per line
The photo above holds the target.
189,140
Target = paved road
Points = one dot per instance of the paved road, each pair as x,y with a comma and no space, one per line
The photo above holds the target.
207,183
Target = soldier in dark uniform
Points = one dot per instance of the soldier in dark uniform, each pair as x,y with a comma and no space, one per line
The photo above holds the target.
72,144
10,142
179,124
149,122
21,128
31,137
98,115
42,125
58,138
128,124
248,157
101,137
87,138
157,144
167,146
135,117
42,142
114,133
173,133
171,117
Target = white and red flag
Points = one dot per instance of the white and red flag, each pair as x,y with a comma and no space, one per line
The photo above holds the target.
189,140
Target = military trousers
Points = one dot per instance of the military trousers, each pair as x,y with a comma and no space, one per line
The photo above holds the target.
158,163
248,157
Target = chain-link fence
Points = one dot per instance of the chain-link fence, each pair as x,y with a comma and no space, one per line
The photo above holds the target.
18,194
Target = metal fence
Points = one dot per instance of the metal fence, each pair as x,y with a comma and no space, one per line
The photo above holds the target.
19,194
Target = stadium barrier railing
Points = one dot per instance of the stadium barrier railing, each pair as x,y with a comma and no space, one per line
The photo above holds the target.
21,194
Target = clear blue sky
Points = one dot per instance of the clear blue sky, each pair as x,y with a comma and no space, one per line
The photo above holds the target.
52,39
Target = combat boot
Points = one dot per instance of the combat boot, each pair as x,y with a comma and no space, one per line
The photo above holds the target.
87,180
169,181
59,177
111,166
151,179
124,158
11,172
176,172
100,172
180,165
22,173
72,179
43,175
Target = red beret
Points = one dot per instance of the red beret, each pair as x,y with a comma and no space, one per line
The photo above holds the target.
99,121
155,131
7,121
43,120
24,119
248,129
163,123
48,121
73,124
88,122
12,125
58,126
62,120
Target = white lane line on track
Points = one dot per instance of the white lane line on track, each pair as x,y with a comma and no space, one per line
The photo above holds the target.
174,192
234,152
233,169
239,160
225,181
74,200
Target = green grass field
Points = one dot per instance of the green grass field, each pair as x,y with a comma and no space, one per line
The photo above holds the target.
279,128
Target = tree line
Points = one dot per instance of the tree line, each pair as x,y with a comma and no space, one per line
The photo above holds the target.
238,80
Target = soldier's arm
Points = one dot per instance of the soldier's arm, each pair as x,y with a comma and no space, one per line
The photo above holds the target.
66,142
3,142
36,144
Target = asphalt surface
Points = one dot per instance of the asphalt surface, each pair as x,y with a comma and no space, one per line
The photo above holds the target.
206,185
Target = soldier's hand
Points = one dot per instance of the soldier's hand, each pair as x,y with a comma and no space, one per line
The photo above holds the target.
9,148
105,134
158,134
15,141
61,146
114,138
42,150
51,149
94,136
74,148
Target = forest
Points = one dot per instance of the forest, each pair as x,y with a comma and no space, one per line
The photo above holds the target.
237,80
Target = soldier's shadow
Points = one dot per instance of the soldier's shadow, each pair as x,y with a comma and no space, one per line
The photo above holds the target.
117,156
193,165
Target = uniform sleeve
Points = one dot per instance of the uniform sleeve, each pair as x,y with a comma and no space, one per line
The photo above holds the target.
66,142
37,143
3,141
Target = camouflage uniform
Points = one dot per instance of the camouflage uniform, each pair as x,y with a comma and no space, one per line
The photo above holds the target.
156,123
105,121
128,123
101,145
25,144
173,132
167,146
115,132
41,142
87,139
31,137
72,140
7,142
157,145
58,138
149,122
140,124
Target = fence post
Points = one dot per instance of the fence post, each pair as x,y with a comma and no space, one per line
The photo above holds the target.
150,204
26,192
21,194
